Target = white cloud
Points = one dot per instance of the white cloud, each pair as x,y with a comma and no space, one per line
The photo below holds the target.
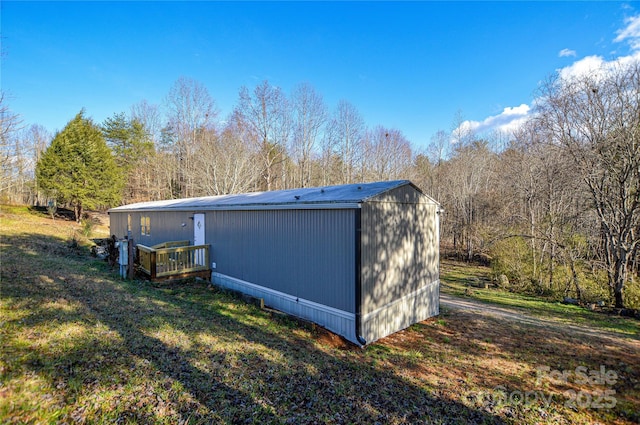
630,33
512,118
566,53
584,66
597,65
509,120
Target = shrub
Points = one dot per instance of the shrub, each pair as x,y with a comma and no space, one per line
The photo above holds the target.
632,294
512,258
87,226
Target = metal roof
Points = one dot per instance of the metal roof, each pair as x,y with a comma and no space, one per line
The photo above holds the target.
342,196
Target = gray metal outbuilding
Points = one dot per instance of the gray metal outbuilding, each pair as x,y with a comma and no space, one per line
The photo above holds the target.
361,260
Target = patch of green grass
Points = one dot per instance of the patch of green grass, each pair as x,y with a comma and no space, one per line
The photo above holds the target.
456,279
15,209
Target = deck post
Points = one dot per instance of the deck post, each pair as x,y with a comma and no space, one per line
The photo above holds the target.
152,262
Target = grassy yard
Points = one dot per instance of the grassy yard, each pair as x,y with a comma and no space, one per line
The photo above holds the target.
466,280
79,345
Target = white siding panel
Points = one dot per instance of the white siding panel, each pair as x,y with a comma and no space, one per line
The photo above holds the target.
337,321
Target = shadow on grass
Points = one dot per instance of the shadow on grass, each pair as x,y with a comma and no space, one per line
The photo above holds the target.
128,351
514,356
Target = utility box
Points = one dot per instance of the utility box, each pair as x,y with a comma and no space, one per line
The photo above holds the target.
123,257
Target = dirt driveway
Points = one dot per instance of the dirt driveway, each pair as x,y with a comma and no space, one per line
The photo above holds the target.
479,308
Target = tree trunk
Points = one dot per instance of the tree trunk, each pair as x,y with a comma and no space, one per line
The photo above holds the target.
620,277
574,276
618,296
552,257
77,211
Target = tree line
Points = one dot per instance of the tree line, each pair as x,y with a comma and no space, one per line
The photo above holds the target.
554,208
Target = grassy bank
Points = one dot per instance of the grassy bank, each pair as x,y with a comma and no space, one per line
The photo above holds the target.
79,345
467,280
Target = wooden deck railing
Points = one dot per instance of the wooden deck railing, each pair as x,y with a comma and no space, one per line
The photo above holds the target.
174,260
170,244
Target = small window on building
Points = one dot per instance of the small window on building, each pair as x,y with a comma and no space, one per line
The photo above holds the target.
128,223
145,225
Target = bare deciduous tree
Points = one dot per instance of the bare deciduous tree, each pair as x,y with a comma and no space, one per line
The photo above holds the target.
150,117
191,112
539,195
225,162
467,180
265,114
155,172
429,164
595,119
309,118
387,154
10,124
344,141
35,139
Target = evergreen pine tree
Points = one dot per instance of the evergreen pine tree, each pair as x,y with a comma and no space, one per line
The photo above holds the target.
78,168
132,149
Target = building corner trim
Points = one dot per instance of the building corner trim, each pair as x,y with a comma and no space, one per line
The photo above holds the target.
358,277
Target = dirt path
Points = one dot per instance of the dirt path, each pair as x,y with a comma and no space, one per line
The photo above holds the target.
479,308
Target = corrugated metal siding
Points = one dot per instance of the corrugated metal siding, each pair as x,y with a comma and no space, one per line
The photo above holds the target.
399,252
305,253
165,226
118,224
402,313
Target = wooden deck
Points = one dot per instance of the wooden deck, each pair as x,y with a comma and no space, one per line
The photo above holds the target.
174,260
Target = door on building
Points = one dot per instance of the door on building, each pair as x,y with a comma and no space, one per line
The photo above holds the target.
198,236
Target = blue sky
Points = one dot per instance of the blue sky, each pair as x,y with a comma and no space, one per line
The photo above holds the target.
407,65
